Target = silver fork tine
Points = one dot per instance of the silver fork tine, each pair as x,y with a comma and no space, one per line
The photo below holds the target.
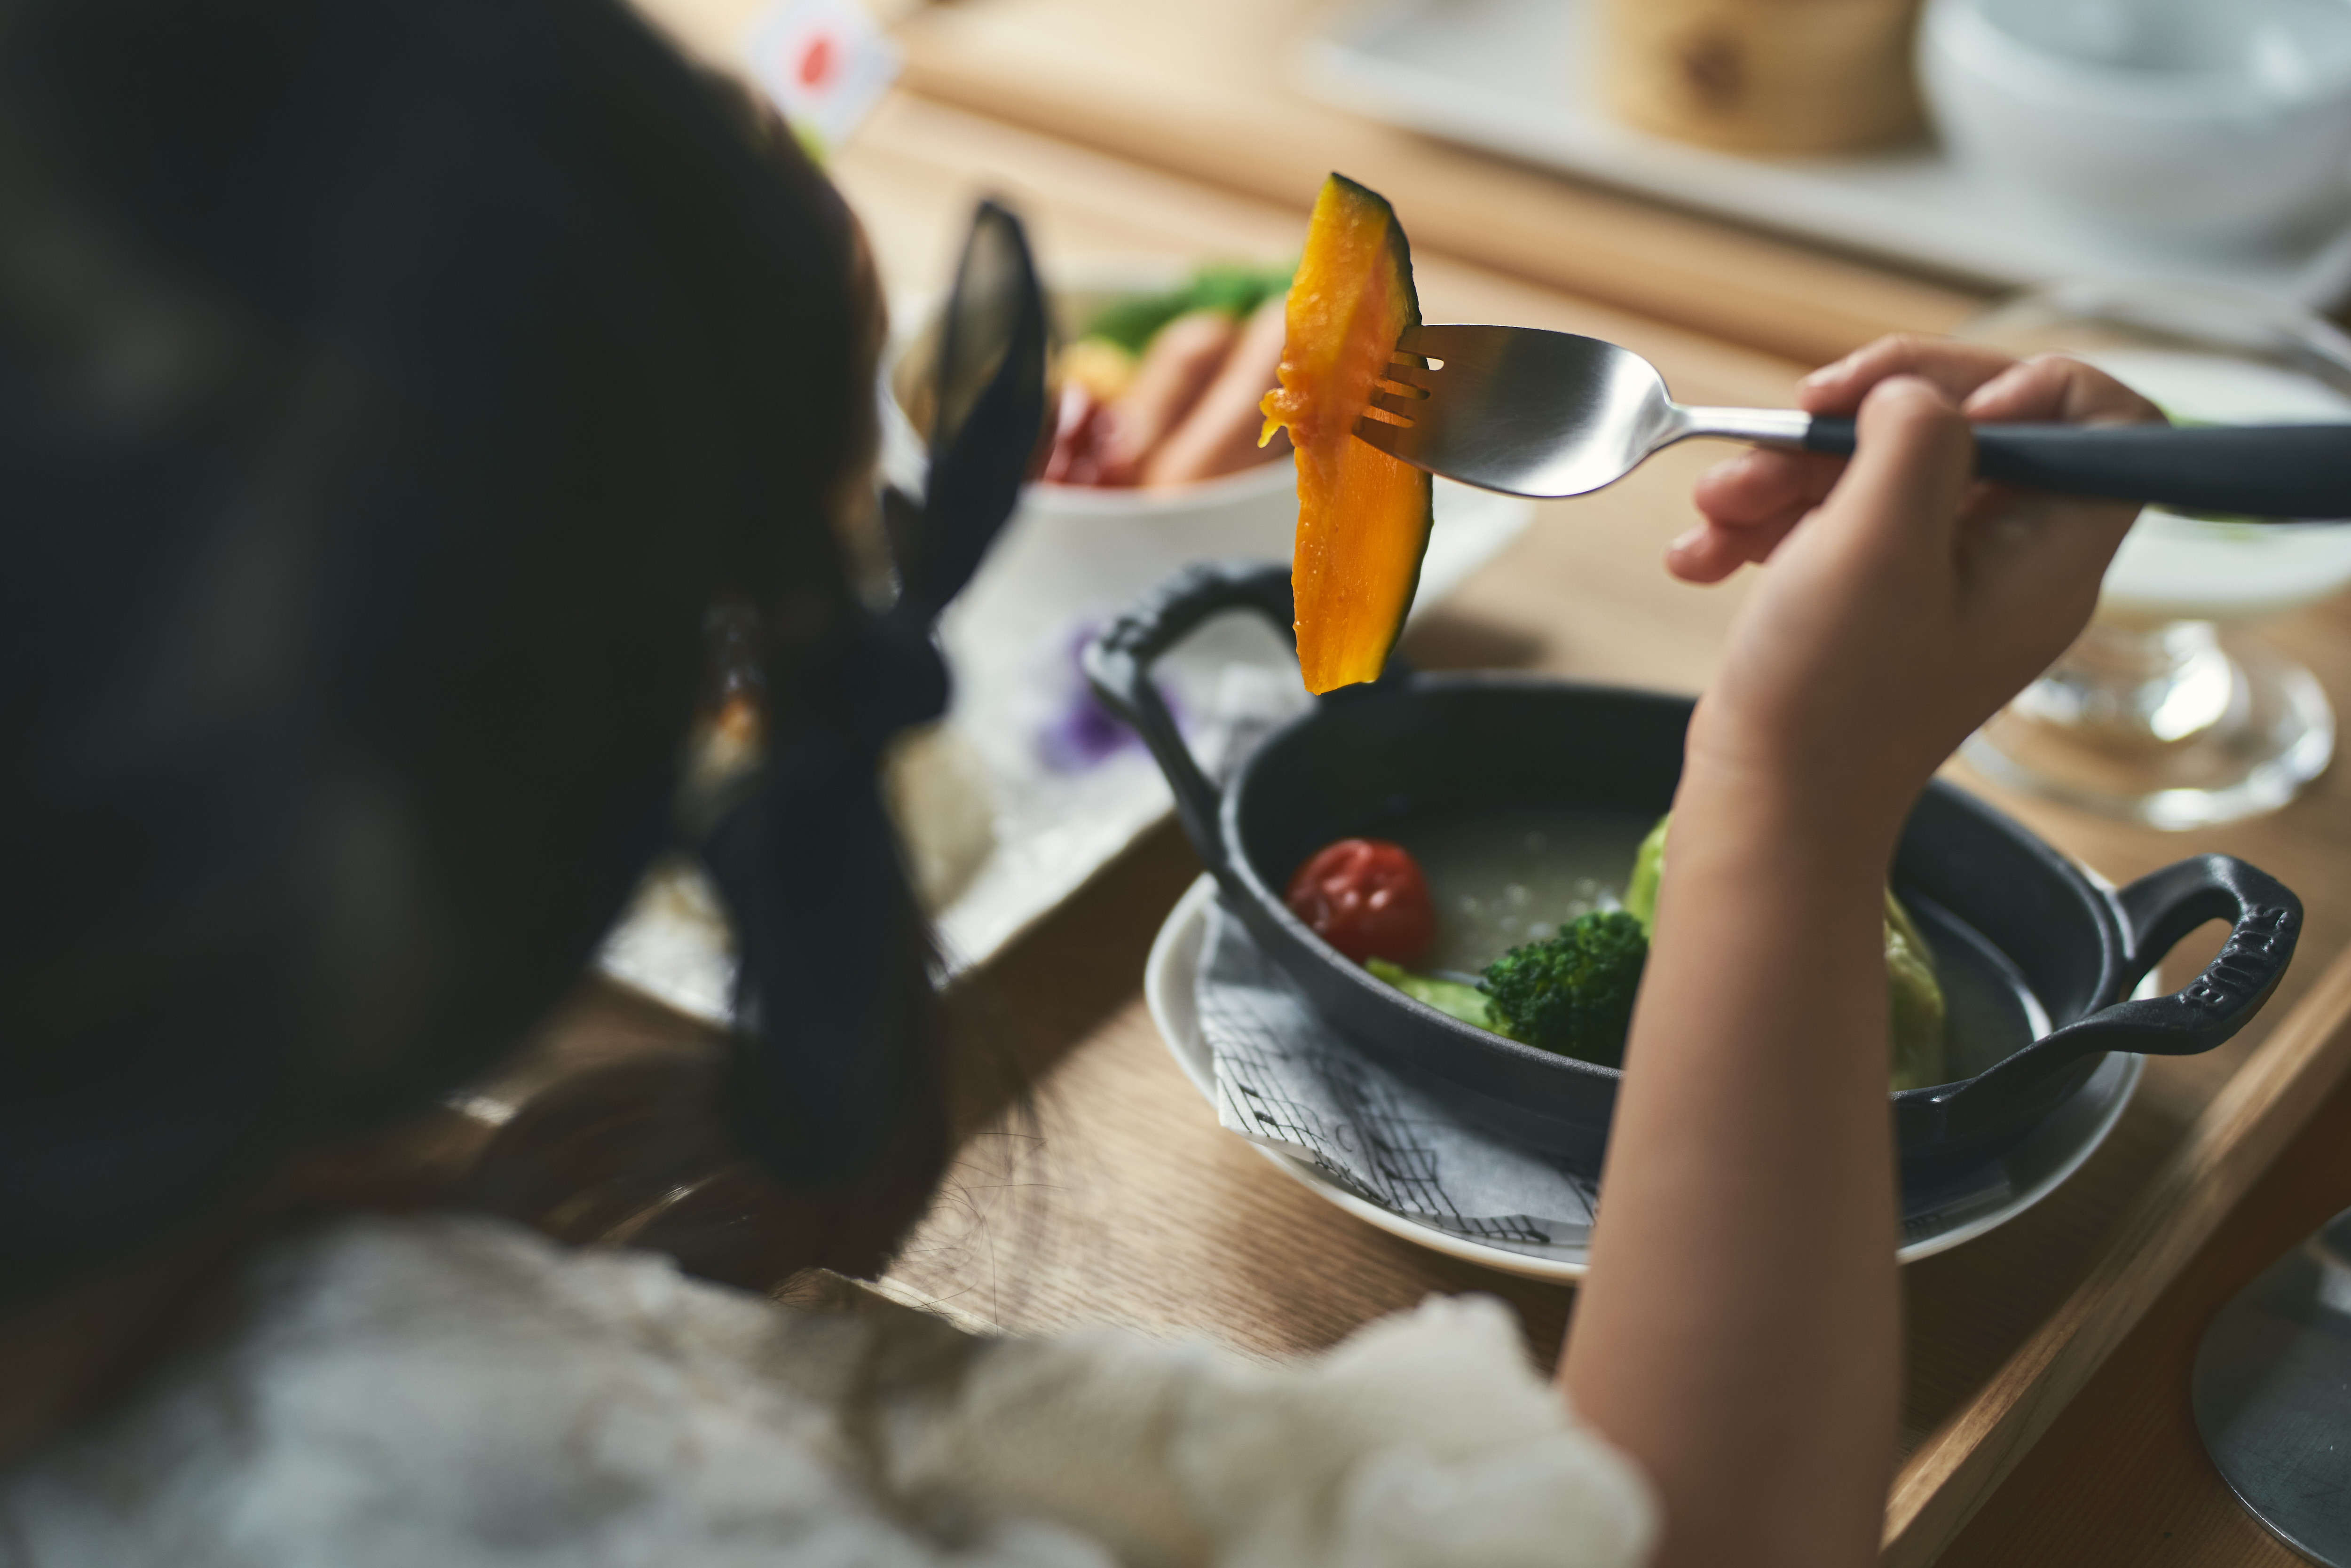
1411,372
1535,412
1539,413
1393,439
1444,342
1502,407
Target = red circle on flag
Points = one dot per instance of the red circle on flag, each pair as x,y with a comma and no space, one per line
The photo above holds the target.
816,61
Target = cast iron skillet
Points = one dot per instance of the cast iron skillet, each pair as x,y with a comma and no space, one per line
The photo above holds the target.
1460,742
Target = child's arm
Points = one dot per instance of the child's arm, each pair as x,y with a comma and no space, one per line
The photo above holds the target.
1741,1335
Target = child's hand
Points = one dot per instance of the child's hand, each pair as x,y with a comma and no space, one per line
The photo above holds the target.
1906,601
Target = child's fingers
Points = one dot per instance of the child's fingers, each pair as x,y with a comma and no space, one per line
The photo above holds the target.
1913,464
2035,559
2029,580
1958,369
1760,484
2055,389
1711,553
2025,547
1750,502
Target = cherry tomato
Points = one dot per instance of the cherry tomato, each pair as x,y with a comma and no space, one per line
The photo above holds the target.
1367,898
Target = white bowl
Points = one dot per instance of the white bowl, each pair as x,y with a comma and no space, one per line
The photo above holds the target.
1073,556
2211,124
1070,552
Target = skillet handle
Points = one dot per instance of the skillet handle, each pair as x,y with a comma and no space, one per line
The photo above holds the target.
2265,920
1118,666
2161,907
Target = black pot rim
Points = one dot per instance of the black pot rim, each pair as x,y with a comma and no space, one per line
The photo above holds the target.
1437,684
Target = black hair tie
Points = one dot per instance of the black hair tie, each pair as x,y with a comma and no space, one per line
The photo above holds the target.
833,980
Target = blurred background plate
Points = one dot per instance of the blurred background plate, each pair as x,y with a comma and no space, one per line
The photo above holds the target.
1516,76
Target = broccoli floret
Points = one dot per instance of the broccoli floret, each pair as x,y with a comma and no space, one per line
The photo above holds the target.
1573,992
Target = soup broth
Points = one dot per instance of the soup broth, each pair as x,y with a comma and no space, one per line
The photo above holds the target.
1508,877
1503,878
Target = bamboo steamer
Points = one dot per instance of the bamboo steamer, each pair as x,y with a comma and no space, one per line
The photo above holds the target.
1764,76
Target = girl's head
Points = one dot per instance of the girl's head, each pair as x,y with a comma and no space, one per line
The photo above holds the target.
390,390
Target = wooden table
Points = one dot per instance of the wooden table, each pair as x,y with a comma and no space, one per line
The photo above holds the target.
1111,1194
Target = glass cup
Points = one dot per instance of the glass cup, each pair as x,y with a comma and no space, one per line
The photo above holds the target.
2166,711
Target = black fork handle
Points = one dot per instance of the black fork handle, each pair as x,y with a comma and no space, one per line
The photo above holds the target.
2280,473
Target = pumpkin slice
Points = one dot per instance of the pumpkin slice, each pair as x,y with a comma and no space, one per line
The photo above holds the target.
1362,515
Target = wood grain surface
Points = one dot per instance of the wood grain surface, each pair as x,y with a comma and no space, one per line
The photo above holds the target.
2121,1475
2223,1152
1116,1195
1108,1193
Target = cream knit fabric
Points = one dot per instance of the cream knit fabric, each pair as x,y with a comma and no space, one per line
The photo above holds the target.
449,1393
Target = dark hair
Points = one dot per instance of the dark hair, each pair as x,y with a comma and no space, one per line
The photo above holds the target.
388,388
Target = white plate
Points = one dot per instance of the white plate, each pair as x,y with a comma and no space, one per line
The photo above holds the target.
1932,1222
1515,76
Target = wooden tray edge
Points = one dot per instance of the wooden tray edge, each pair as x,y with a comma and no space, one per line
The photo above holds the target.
2225,1150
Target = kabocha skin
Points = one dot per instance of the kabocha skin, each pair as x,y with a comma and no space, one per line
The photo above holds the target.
1362,515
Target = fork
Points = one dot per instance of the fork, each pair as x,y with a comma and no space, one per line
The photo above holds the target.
1532,412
